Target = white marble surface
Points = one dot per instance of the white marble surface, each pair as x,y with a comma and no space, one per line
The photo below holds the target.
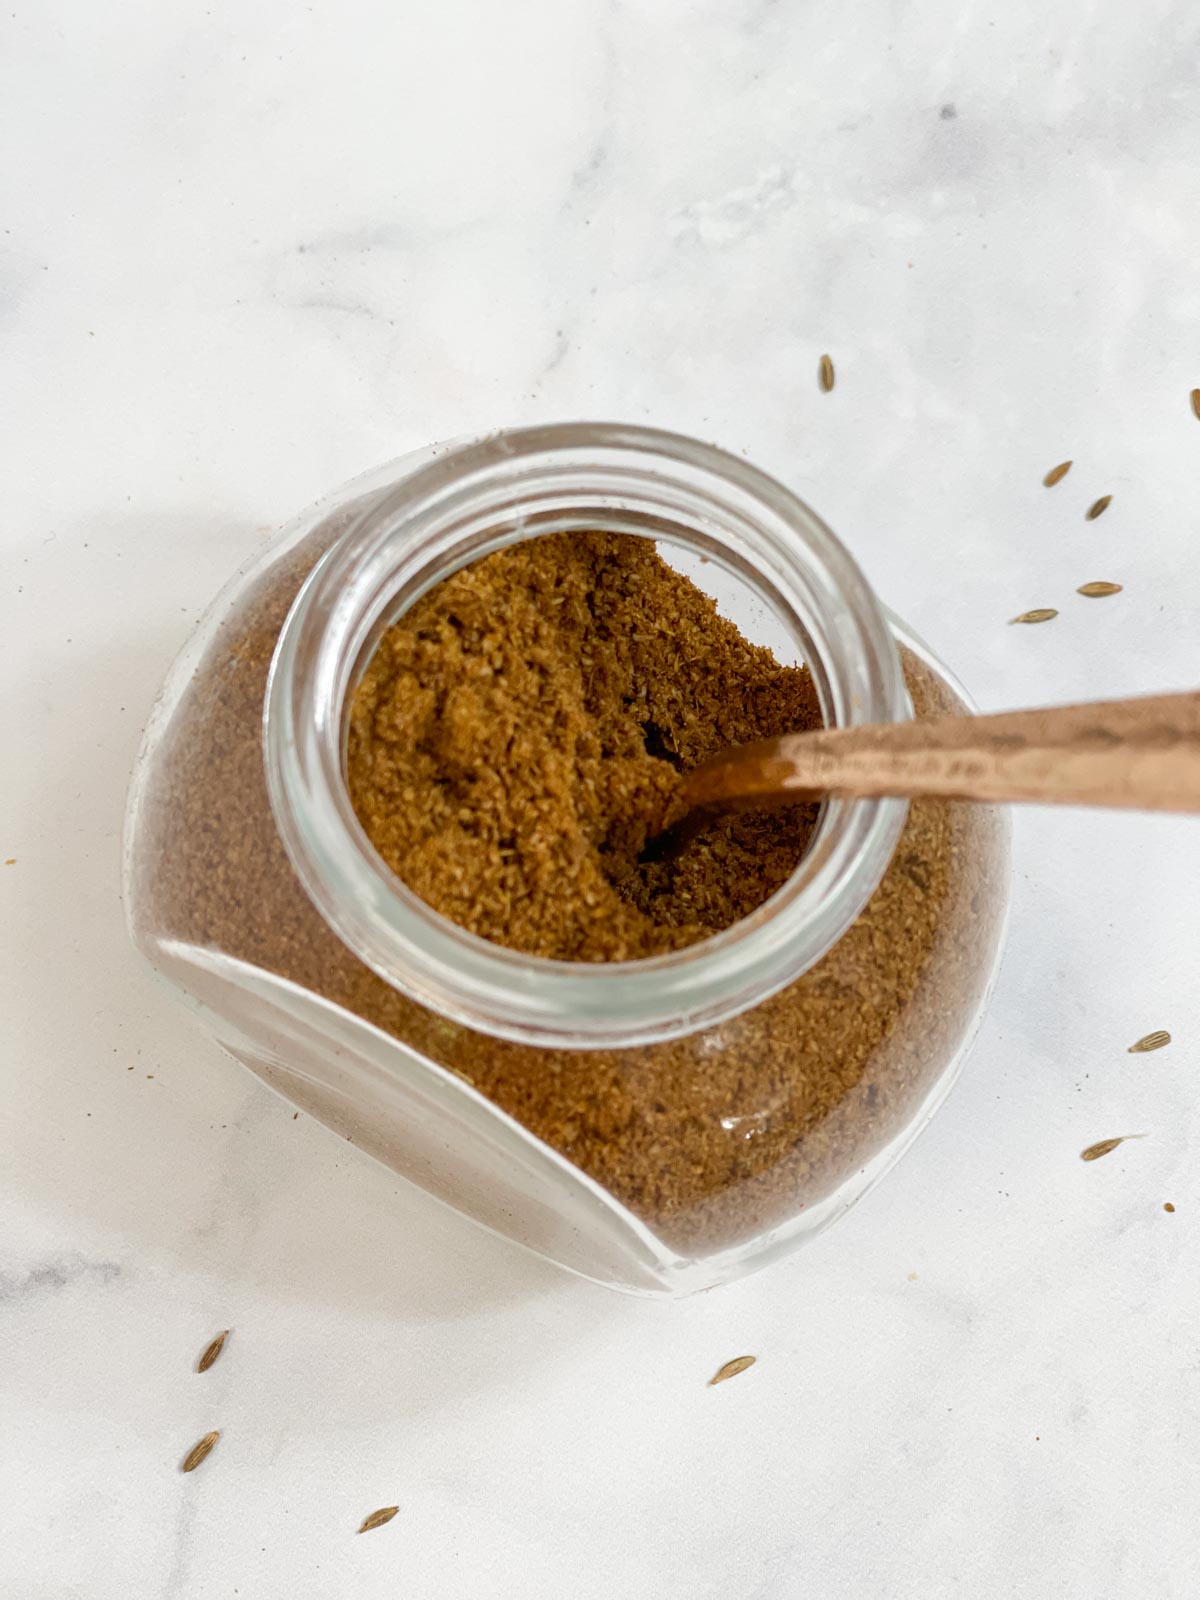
250,250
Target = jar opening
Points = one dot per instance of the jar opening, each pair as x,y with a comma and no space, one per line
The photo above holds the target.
705,506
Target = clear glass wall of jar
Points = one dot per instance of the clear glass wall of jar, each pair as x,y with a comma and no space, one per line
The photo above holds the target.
660,1126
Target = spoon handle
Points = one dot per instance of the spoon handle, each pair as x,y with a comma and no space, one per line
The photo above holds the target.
1143,754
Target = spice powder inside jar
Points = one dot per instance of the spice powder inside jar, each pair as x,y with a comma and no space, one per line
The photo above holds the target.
520,735
709,1139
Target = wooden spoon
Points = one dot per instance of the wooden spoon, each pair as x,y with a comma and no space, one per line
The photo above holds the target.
1143,754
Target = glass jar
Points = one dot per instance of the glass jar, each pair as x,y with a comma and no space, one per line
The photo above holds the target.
661,1125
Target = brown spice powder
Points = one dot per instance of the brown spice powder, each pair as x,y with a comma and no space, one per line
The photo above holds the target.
519,736
711,1138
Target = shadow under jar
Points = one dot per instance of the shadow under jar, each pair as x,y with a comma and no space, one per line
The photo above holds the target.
660,1125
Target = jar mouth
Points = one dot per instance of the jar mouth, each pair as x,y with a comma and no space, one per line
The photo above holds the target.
479,497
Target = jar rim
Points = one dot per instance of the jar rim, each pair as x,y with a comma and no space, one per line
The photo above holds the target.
477,497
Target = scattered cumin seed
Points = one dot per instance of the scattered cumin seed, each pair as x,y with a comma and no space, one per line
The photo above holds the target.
1095,590
378,1518
1097,506
1057,474
212,1351
1150,1041
200,1451
1167,1206
731,1369
1042,614
826,374
1196,401
1106,1147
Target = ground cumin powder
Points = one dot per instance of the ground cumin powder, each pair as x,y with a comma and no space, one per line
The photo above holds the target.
713,1138
520,734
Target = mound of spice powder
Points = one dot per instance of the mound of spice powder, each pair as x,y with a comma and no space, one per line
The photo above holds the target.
712,1138
520,733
